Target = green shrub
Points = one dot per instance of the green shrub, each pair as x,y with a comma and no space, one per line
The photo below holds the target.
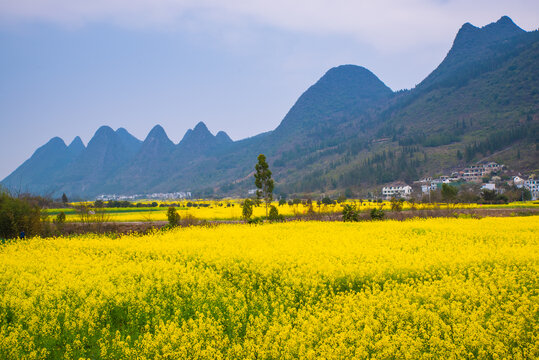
173,217
377,214
60,218
255,221
17,216
350,213
396,204
274,214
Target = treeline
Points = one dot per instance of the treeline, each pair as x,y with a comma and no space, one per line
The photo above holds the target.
499,140
386,167
383,167
128,204
429,140
314,152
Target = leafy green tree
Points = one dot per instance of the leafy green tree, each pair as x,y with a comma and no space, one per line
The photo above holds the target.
173,217
282,202
449,193
274,214
488,195
526,194
327,201
263,181
247,209
64,199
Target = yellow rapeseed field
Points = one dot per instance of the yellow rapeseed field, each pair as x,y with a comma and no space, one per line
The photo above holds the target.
231,209
418,289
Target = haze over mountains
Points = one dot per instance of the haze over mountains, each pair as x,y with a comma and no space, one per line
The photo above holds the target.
348,130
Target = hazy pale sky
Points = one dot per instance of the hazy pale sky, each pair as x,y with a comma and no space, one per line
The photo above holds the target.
70,66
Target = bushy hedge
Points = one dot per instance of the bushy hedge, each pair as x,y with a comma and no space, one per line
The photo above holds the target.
17,216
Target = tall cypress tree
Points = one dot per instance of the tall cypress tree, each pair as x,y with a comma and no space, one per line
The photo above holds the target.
263,181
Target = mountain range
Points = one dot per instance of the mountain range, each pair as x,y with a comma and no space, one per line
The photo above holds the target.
347,131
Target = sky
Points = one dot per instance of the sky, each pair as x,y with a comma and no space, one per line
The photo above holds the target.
68,67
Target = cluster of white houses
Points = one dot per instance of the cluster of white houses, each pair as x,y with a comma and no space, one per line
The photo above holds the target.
397,190
474,173
154,196
530,184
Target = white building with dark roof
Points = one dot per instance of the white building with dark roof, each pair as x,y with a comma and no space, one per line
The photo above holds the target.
397,190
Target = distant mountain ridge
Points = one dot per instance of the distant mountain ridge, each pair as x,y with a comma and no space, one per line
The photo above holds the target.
348,130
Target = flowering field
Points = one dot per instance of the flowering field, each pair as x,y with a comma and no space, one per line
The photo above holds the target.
231,210
419,289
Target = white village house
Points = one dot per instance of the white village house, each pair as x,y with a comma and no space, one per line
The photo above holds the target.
475,173
533,186
518,181
488,186
428,187
397,190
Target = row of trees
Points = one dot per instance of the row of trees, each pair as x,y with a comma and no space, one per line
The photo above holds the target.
471,193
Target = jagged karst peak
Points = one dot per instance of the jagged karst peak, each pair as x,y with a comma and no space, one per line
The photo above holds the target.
76,147
76,143
349,89
130,143
56,141
157,136
347,69
352,78
53,145
223,137
104,130
201,127
467,28
157,132
472,48
199,133
505,22
470,36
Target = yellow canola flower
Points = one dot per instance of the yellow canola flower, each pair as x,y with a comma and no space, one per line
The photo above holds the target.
231,209
419,289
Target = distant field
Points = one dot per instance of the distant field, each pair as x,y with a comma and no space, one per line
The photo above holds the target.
418,289
231,210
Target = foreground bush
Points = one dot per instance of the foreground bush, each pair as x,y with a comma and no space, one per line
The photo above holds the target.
16,216
421,289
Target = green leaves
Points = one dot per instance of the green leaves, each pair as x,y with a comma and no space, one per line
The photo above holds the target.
263,181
